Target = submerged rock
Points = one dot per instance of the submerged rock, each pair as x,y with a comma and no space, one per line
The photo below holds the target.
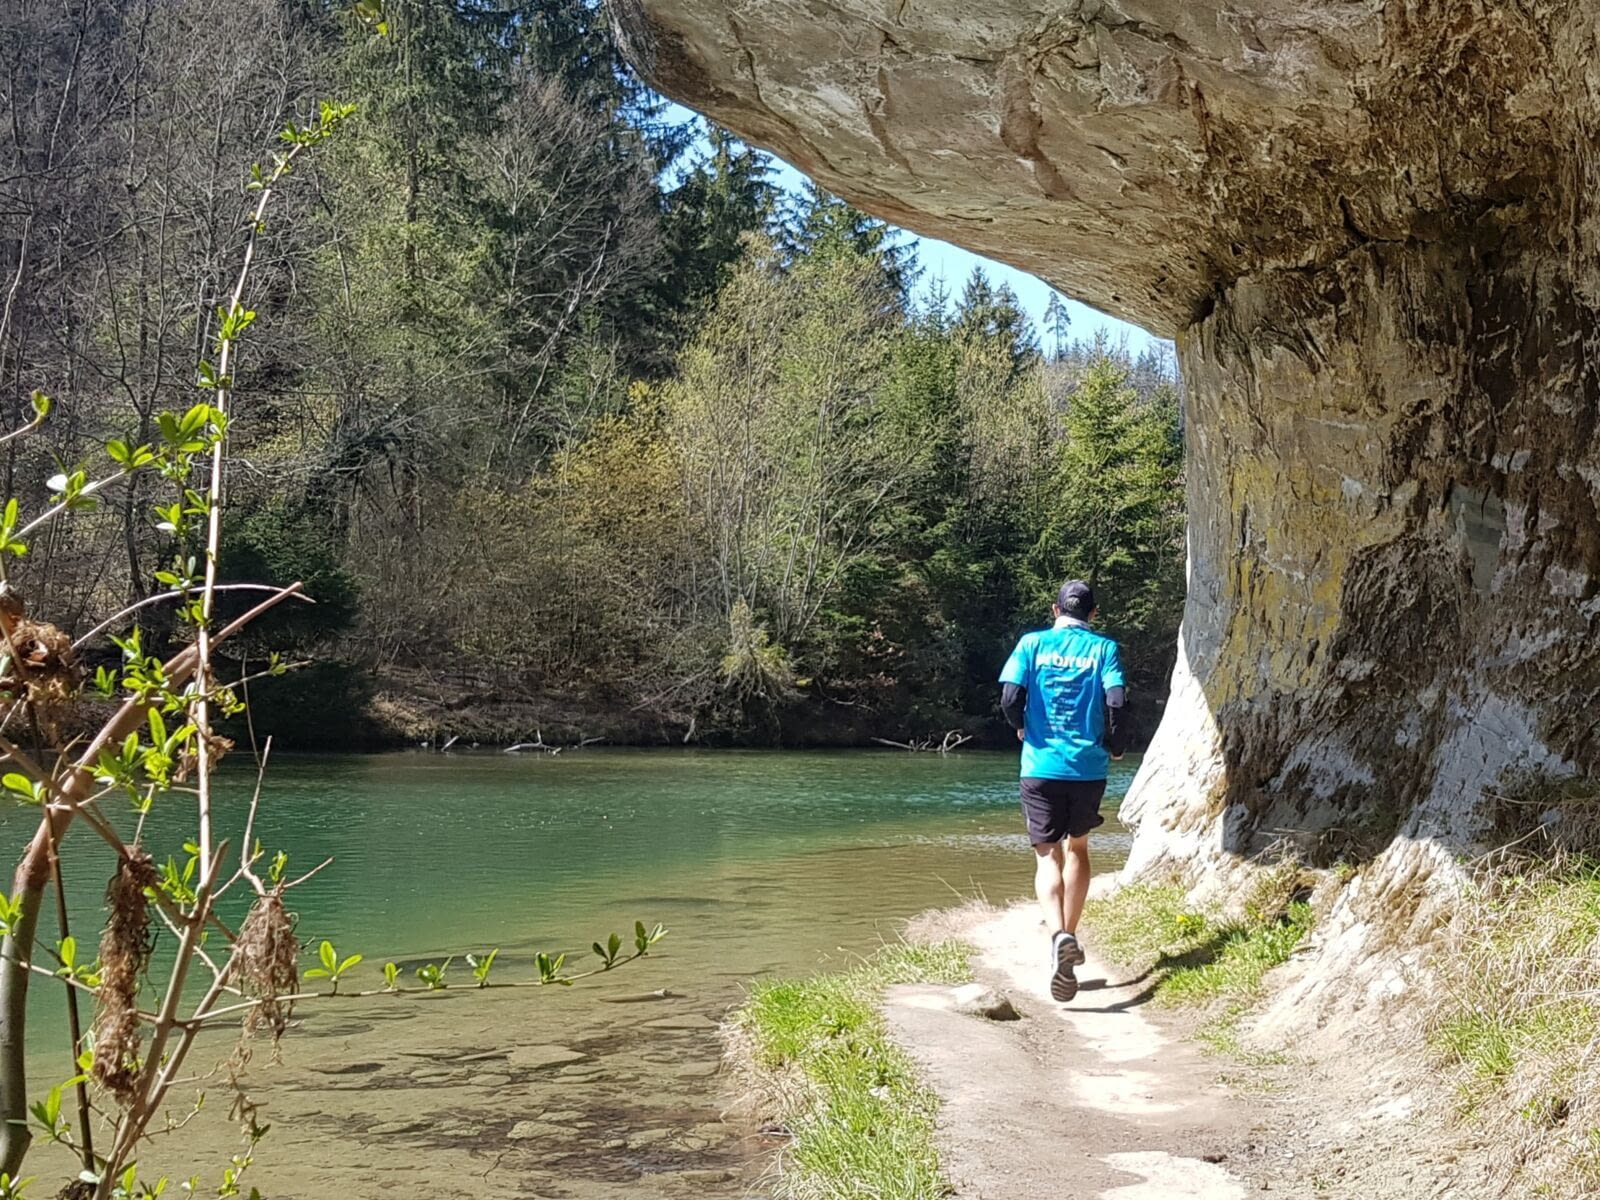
682,1021
648,1137
538,1057
389,1128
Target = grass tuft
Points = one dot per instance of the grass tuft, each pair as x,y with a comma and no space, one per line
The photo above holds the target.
861,1120
1517,1006
1196,958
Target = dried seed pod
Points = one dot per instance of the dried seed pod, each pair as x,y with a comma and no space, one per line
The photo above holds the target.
125,948
267,959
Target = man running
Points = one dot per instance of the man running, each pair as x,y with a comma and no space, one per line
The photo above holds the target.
1058,686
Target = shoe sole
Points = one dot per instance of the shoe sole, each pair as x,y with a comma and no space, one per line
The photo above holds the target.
1064,983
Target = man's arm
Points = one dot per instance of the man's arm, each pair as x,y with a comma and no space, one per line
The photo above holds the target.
1014,683
1117,731
1014,704
1116,689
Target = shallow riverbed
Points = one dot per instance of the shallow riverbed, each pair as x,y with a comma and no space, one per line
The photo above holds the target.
760,862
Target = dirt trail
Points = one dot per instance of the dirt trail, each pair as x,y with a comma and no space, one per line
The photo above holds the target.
1090,1099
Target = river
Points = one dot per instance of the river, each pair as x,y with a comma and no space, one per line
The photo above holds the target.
760,863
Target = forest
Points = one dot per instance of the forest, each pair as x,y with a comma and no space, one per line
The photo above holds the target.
572,421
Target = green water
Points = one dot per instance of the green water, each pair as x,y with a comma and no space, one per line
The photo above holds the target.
760,862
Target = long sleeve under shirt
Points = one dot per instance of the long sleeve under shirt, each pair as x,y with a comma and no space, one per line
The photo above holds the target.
1050,681
1014,704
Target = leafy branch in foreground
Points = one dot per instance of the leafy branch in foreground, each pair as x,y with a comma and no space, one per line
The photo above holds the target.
160,739
159,744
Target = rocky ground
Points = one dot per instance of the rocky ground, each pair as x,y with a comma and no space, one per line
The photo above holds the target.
1108,1098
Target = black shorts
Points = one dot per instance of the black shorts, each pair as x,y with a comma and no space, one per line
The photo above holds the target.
1061,808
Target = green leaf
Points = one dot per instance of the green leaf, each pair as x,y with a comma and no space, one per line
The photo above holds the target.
194,420
325,952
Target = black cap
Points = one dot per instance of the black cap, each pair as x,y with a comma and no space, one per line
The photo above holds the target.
1075,599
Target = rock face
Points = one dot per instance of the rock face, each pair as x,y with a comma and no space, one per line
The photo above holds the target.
1369,226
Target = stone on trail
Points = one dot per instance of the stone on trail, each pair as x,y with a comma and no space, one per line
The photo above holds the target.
524,1130
975,1000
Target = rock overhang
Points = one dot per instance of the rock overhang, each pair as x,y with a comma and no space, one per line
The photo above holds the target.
1142,155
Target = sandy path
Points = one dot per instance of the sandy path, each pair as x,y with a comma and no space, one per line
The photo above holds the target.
1090,1099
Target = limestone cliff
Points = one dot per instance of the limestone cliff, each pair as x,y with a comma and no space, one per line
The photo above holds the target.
1369,226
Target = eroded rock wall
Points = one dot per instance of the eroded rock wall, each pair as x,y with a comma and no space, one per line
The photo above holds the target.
1368,224
1395,551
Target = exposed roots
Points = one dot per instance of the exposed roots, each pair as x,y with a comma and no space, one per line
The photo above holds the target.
266,958
125,948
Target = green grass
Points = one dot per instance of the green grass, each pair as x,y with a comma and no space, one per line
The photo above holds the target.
1516,1006
1198,958
1523,971
862,1122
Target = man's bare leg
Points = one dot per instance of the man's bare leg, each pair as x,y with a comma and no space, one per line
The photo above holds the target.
1049,886
1061,881
1075,885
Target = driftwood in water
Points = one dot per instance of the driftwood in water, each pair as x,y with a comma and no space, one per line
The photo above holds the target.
541,745
953,739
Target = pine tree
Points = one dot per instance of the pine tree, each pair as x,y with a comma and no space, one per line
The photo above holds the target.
1113,512
1057,321
726,194
994,316
821,224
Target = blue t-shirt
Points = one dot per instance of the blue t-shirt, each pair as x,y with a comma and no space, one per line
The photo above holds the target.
1066,671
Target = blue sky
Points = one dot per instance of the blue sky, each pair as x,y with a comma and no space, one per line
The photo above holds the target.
941,260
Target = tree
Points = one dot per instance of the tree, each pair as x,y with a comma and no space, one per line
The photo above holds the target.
1111,511
725,195
773,419
820,225
1057,321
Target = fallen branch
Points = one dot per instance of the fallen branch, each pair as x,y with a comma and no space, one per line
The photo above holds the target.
953,739
545,747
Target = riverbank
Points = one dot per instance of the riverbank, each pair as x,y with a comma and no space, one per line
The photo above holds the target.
826,1076
348,708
